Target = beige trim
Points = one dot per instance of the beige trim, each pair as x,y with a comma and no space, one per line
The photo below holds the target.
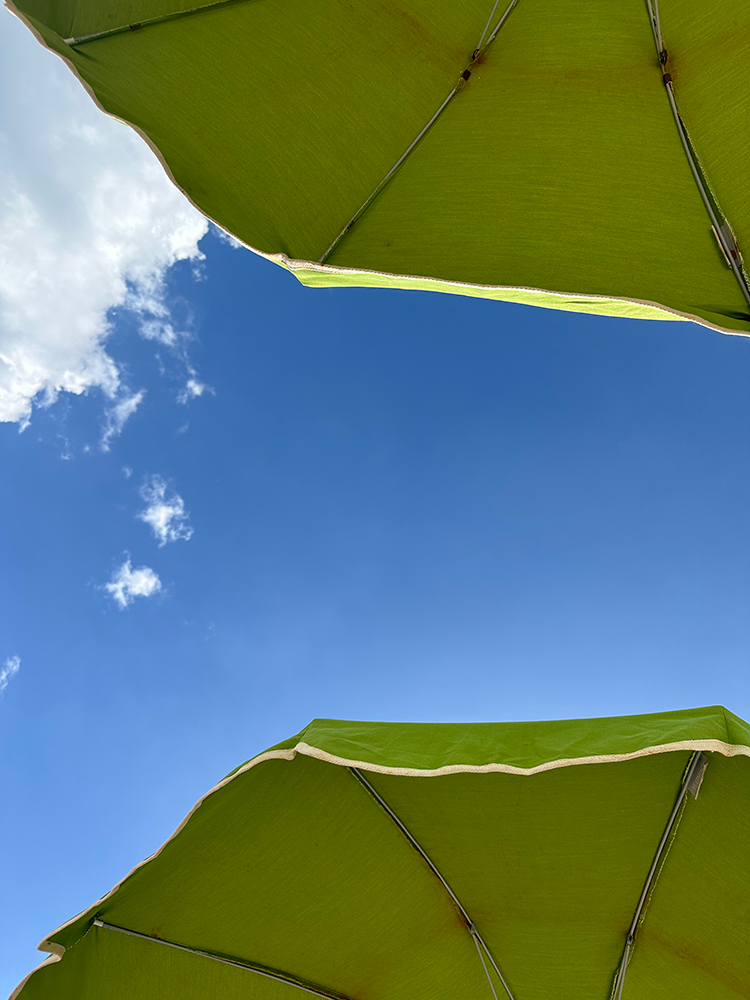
49,960
308,265
305,265
711,746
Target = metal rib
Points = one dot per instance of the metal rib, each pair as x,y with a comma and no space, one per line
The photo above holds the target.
459,84
236,963
369,200
486,27
475,938
478,940
147,22
500,23
728,246
697,761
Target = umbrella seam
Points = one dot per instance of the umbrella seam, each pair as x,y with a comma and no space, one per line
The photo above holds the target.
716,746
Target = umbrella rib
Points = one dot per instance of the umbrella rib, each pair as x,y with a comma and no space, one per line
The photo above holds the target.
497,27
404,156
487,26
376,191
722,232
236,963
691,782
475,938
478,940
147,22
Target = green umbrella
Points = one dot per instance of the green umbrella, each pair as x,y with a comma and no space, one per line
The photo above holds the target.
592,859
589,155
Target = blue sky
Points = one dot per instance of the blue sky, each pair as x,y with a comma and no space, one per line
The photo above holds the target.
358,504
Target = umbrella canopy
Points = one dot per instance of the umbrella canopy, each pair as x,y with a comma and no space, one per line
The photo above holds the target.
589,156
379,861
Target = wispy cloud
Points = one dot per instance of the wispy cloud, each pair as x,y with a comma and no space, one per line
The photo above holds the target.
165,514
89,222
128,583
225,237
115,417
193,388
162,331
9,671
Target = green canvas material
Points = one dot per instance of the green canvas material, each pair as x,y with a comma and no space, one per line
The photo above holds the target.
555,177
544,831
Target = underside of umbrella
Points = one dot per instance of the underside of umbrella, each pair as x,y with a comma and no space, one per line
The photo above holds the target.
587,155
604,858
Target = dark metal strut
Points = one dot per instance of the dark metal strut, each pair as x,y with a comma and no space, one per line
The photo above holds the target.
721,230
147,22
236,963
691,782
470,926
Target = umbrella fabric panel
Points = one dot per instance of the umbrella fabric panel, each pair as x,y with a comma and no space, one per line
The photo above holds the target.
324,278
105,965
709,60
558,166
695,939
294,867
551,866
427,746
278,119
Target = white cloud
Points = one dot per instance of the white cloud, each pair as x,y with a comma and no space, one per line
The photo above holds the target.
128,583
226,237
160,330
88,222
127,471
167,516
9,671
193,388
115,417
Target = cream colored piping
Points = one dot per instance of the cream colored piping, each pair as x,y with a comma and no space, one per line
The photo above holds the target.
712,746
49,960
308,265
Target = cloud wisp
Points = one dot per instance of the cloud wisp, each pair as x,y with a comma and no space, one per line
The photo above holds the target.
8,671
193,388
89,222
128,583
166,515
117,415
